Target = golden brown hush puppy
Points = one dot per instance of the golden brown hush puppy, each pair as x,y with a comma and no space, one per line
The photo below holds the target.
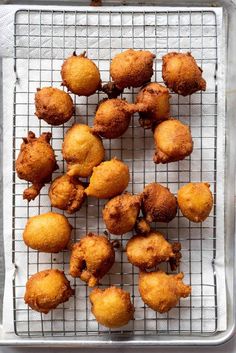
195,201
156,99
109,179
181,73
113,117
121,212
49,232
53,105
147,251
35,163
158,203
82,149
80,75
132,68
47,289
161,291
111,307
67,193
173,141
91,258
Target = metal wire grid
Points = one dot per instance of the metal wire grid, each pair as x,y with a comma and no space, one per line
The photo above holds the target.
43,39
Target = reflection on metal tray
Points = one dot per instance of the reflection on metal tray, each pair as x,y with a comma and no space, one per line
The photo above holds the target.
42,40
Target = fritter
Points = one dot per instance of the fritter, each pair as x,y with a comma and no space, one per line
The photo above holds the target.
161,291
173,141
35,163
109,179
195,201
49,232
158,203
113,117
53,105
45,290
82,149
147,251
121,212
132,68
91,258
181,73
67,193
112,306
80,75
156,98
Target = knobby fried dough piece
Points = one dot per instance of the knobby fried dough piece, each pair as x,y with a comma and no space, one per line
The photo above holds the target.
173,141
91,258
195,201
112,306
132,68
35,163
181,73
161,291
142,226
47,289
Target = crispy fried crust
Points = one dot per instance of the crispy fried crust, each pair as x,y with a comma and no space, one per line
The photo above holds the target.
181,73
142,226
173,141
112,306
91,258
132,68
47,289
161,291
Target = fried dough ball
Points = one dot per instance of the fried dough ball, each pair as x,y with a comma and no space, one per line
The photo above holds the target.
132,68
156,98
121,212
82,149
109,179
80,75
67,193
49,232
91,258
173,141
113,117
53,105
112,306
195,201
181,73
45,290
158,203
35,163
161,291
147,251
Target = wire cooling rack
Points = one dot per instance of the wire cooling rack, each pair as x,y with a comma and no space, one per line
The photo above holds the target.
43,39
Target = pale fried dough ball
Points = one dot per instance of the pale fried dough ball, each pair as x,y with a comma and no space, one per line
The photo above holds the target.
67,193
53,105
91,258
35,163
132,68
112,306
181,73
109,179
82,149
147,251
173,141
195,201
49,232
158,203
45,290
121,212
156,99
80,75
113,117
161,291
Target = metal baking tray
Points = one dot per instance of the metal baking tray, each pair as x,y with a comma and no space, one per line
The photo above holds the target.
98,30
